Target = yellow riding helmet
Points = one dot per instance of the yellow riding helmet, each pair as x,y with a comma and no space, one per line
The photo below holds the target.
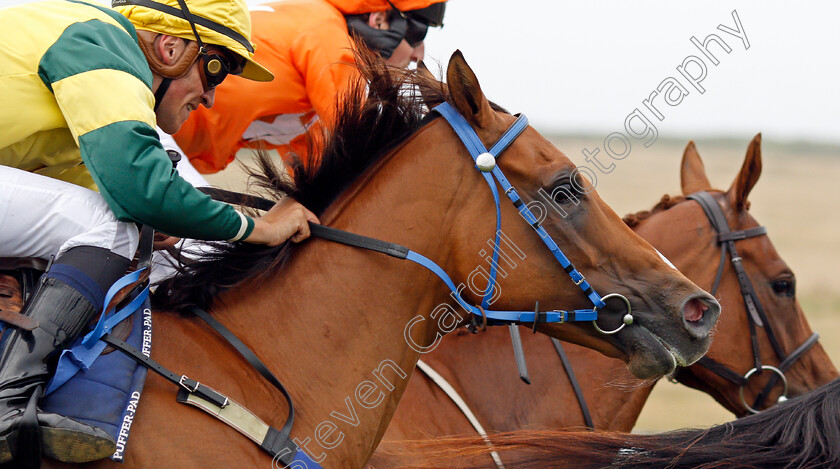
225,23
358,7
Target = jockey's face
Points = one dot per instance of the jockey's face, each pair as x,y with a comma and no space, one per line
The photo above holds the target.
183,96
404,54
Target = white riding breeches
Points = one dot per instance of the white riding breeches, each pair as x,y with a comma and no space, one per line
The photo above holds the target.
43,217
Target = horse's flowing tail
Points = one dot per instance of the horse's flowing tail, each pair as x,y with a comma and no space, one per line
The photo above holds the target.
801,433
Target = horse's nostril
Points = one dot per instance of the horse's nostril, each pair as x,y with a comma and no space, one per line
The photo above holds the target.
694,310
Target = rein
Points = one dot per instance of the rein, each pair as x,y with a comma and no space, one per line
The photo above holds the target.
756,315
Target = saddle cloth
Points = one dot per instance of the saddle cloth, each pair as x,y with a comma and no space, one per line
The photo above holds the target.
107,394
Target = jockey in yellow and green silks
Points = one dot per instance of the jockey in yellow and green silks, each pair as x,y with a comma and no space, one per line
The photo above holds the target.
81,164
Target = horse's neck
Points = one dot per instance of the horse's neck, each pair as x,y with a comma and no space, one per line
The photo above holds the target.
331,323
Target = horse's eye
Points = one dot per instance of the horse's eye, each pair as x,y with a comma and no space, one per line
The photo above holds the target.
784,287
564,192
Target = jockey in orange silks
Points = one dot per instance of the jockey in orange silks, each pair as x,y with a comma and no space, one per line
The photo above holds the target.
307,45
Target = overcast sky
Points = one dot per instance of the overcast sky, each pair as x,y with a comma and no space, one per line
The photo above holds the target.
585,66
575,66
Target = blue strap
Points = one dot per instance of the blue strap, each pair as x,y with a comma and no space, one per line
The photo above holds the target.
302,460
462,128
494,266
106,323
503,316
509,136
82,355
437,270
475,147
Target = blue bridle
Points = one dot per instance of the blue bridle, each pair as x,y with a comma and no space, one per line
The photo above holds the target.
485,162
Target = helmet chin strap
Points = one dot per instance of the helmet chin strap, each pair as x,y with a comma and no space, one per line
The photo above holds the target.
168,72
162,88
178,69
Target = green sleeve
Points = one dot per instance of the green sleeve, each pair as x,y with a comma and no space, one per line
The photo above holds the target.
137,180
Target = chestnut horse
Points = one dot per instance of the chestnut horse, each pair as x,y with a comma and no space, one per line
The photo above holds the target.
481,368
331,321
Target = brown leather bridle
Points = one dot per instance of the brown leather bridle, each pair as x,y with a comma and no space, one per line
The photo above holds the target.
755,316
755,313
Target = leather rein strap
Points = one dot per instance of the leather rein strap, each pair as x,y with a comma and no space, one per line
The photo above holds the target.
756,315
567,365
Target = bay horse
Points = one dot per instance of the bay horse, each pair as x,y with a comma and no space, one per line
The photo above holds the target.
480,368
331,321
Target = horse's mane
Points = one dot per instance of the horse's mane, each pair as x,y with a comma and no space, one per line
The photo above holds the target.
666,202
801,433
382,108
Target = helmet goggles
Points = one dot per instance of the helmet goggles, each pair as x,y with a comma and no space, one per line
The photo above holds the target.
215,65
416,31
418,21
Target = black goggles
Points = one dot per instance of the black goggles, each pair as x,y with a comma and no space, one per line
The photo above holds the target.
416,31
215,66
418,21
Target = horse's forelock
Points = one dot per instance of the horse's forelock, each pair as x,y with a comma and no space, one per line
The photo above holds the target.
666,202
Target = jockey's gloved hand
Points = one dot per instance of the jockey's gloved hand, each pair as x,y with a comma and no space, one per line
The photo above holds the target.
163,241
288,220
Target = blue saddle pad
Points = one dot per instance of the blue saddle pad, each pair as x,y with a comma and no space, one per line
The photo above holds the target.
107,394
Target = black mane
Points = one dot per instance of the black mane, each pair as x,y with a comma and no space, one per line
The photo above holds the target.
382,109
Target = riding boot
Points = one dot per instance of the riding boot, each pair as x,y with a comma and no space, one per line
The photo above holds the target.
61,312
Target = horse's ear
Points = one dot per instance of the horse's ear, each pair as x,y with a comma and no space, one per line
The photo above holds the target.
424,71
466,93
692,172
430,88
747,177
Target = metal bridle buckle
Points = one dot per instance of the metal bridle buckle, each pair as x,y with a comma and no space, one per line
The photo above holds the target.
582,278
782,396
483,326
627,319
183,385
